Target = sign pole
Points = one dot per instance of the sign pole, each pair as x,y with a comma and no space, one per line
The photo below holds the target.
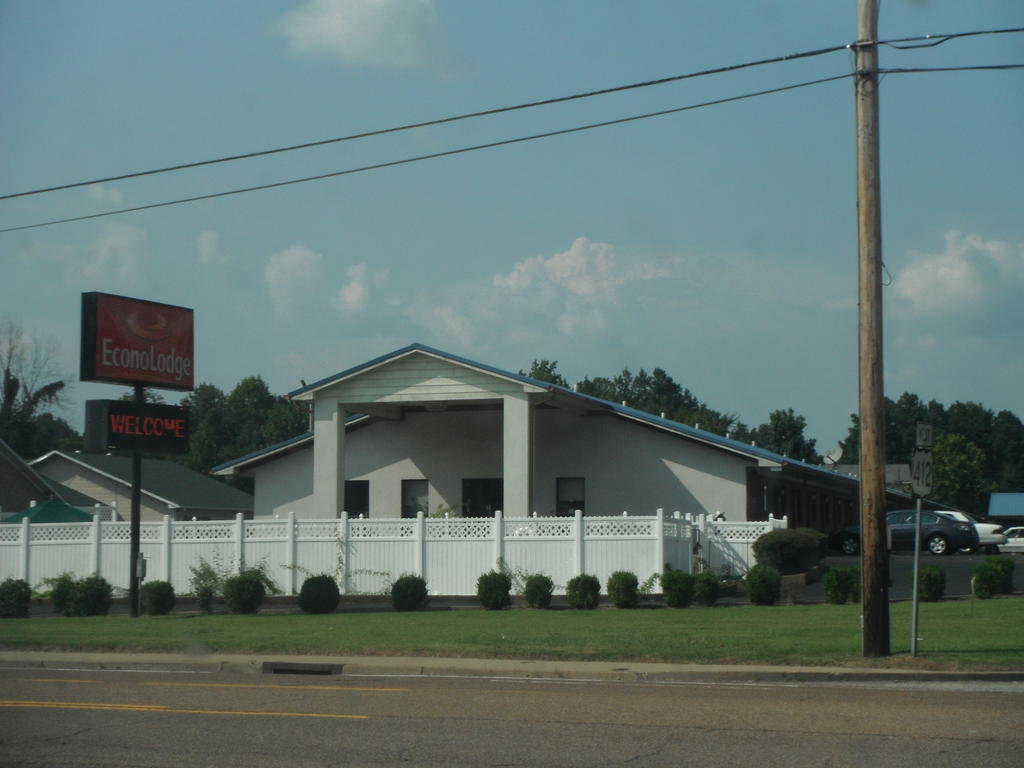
136,516
917,568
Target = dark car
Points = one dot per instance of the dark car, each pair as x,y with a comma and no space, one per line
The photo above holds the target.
941,535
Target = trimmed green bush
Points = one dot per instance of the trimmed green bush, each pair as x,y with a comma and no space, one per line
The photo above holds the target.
623,589
319,594
931,583
15,596
91,596
60,590
677,589
157,598
842,585
583,591
493,590
1005,566
244,592
705,588
791,550
537,590
986,580
409,593
764,584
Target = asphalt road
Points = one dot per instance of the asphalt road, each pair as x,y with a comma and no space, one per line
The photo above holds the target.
95,718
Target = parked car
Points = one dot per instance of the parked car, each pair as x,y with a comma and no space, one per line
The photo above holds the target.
1014,541
941,535
990,535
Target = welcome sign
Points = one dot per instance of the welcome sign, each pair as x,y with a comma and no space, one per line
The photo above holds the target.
124,425
136,342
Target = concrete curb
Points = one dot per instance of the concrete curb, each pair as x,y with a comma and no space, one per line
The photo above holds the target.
351,666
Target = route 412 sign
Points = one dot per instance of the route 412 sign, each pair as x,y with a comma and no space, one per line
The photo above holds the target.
921,472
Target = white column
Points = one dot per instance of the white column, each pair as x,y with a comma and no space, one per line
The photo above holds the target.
96,545
328,457
26,548
168,542
239,542
579,544
517,453
499,537
659,545
289,554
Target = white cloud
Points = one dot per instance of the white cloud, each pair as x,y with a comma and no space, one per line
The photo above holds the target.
289,273
381,33
354,296
209,250
112,260
971,280
104,194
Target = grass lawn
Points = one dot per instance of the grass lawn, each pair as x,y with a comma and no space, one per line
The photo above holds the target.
955,634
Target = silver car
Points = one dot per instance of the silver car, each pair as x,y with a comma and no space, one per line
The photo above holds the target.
1014,541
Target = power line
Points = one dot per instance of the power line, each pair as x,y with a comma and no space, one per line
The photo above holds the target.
975,68
936,40
432,156
438,121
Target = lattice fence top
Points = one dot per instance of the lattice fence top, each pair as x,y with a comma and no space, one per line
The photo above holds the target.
265,529
317,529
618,526
10,533
203,531
555,528
738,531
460,528
60,532
382,529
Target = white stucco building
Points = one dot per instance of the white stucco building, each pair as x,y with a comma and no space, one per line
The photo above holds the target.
420,429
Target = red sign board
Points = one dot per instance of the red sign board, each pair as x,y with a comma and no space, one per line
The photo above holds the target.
135,342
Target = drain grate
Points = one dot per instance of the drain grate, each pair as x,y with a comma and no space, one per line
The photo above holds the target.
300,668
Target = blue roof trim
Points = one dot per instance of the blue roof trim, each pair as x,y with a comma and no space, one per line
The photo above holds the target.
1006,505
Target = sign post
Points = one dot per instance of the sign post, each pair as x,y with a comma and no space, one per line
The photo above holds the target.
138,343
921,483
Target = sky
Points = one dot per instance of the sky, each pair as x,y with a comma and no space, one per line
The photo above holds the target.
717,243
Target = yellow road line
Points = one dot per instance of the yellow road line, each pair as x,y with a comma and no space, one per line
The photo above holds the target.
59,680
284,687
169,710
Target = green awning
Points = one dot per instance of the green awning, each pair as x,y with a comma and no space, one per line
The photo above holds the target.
51,511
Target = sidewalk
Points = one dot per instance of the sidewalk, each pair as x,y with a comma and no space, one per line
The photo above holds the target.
348,666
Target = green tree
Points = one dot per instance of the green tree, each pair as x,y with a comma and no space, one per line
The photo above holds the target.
546,370
30,385
958,469
784,433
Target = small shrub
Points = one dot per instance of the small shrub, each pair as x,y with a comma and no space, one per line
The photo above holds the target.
493,590
623,589
15,596
931,583
842,585
705,588
206,584
583,591
91,596
59,590
764,585
205,595
1005,566
537,590
986,579
319,594
409,593
677,588
244,593
157,598
790,550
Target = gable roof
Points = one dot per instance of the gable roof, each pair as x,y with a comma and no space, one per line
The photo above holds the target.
166,481
50,511
569,396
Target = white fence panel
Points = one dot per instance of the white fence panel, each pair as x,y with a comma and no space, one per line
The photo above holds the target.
365,556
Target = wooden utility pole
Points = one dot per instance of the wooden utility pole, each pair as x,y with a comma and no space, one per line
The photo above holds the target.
874,554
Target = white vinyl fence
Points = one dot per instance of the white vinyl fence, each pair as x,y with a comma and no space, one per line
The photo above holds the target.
365,556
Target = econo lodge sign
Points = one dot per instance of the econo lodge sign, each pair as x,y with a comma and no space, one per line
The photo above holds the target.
135,342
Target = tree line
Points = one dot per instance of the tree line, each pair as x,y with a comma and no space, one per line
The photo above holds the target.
976,452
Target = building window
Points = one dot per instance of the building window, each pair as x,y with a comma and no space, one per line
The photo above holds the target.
570,496
415,497
481,496
357,498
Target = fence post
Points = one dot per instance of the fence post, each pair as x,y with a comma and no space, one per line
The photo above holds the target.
239,542
578,532
25,548
96,544
421,544
345,552
499,537
659,545
289,555
168,547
